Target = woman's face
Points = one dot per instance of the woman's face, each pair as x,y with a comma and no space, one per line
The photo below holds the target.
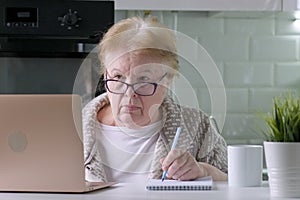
130,109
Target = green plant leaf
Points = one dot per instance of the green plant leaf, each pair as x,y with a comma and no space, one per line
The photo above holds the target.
283,124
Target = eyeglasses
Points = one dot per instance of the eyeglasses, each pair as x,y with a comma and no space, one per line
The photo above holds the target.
139,88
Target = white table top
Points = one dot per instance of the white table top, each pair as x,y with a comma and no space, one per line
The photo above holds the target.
133,191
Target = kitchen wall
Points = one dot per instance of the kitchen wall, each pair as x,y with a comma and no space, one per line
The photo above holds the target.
258,56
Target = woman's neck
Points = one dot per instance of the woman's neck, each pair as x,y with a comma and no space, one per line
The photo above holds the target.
105,116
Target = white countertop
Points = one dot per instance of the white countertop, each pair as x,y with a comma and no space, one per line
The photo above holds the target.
137,191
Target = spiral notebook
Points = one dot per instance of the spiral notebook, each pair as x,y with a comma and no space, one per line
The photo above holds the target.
204,183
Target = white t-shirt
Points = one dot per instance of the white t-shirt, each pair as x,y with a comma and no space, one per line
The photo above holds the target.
127,153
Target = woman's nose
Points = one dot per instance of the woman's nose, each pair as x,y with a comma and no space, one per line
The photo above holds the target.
130,92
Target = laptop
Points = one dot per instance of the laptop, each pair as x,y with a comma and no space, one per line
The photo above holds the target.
41,147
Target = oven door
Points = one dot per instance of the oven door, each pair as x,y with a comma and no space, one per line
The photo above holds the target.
42,75
50,47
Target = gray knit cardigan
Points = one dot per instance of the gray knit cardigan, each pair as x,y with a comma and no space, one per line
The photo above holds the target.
197,137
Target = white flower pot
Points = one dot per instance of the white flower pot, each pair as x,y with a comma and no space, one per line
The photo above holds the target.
283,164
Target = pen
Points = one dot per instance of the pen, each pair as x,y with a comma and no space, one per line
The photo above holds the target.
173,147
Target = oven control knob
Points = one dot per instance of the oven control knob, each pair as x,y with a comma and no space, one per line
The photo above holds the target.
70,19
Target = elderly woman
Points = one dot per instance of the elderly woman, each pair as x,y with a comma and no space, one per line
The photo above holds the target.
129,130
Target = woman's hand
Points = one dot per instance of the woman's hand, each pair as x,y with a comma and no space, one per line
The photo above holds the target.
181,165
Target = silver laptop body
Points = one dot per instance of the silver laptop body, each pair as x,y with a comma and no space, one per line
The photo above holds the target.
41,147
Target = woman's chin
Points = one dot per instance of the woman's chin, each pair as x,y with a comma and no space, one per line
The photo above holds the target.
133,121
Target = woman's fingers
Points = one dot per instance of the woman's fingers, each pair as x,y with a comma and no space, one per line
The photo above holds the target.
171,157
193,172
178,166
181,165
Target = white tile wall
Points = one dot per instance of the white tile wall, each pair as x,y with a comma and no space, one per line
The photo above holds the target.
287,75
274,48
250,74
287,27
237,100
249,26
226,47
257,54
197,23
260,99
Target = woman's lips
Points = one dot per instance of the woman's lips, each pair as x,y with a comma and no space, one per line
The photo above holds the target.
130,108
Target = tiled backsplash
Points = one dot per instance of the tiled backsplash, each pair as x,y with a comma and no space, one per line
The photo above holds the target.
258,56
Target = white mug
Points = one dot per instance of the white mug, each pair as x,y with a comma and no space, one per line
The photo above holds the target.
245,163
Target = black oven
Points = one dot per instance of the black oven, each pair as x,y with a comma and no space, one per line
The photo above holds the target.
43,43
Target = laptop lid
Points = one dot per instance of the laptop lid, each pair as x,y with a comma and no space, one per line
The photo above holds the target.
41,146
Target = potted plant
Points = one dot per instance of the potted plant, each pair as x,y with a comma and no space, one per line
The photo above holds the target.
282,146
